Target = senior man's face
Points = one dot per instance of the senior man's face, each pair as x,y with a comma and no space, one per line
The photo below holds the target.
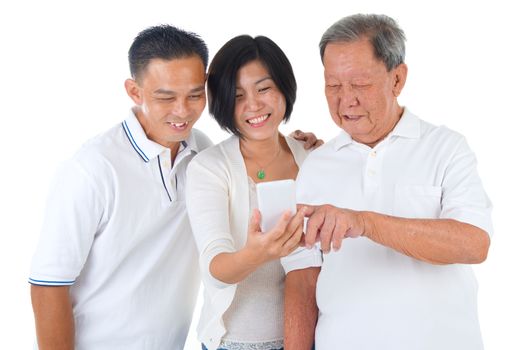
361,93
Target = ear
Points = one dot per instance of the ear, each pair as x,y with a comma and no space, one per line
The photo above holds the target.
133,90
400,76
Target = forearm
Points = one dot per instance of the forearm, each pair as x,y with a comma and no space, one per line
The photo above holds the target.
233,267
437,241
260,248
53,317
300,308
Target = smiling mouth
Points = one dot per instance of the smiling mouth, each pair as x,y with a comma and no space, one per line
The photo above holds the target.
179,125
351,117
258,120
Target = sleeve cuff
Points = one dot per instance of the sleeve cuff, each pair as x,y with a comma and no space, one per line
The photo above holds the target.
220,246
41,282
302,258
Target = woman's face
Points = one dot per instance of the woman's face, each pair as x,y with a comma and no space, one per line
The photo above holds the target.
259,105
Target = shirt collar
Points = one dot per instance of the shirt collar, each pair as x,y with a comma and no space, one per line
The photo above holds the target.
408,126
146,148
191,143
343,139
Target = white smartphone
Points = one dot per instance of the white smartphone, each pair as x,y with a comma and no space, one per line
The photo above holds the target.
274,198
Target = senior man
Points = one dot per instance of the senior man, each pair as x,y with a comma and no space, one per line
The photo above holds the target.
409,194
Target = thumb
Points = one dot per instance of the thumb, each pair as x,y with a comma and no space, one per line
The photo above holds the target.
254,222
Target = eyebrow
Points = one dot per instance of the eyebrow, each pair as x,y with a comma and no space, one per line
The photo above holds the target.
261,80
170,92
257,82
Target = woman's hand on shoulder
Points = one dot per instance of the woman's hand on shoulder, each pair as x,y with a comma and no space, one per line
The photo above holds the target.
310,140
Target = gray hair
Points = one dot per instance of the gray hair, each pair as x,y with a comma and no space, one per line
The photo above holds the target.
386,37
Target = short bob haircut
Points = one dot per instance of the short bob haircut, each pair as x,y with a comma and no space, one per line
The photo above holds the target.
221,81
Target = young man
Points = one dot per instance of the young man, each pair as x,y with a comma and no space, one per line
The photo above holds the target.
116,266
410,195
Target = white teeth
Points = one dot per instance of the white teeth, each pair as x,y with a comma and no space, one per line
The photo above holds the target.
258,119
179,125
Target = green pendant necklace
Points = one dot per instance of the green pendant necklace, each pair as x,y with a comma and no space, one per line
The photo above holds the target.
261,174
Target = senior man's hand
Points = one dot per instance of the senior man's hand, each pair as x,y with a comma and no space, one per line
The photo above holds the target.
330,225
309,139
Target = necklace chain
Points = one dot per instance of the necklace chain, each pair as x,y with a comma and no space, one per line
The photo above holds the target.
261,174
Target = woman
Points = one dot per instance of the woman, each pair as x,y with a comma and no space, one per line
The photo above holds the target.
251,89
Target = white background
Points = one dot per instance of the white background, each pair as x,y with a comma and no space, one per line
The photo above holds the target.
63,64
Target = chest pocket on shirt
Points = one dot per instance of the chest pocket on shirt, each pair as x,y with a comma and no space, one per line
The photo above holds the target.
417,201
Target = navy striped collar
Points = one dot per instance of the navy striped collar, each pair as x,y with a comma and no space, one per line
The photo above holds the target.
144,147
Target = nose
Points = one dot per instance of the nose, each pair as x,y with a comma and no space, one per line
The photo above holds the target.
349,97
179,107
253,102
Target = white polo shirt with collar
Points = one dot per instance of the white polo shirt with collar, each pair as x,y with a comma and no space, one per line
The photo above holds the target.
116,230
373,297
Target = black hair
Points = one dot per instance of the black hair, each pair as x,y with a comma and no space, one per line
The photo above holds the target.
165,42
237,52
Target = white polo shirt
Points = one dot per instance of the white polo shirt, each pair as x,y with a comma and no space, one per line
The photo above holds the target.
116,230
371,296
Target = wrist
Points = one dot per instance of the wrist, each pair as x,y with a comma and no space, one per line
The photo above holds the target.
249,258
367,222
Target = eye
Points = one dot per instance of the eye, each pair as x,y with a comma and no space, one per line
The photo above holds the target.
165,99
333,88
195,96
264,89
360,86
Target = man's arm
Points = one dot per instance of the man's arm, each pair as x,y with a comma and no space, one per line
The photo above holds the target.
53,317
300,308
437,241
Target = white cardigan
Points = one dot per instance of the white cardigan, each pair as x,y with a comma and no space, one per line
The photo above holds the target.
218,206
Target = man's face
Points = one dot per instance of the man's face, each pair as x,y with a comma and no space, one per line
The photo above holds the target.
169,97
361,94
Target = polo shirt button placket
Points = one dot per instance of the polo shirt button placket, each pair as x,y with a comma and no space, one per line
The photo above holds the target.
371,173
